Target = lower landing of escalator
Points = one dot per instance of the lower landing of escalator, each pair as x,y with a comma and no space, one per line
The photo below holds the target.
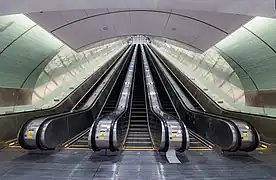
84,164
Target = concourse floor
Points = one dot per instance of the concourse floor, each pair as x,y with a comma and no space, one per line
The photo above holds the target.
131,165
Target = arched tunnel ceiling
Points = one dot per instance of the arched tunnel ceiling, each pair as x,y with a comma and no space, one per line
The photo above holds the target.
248,7
79,28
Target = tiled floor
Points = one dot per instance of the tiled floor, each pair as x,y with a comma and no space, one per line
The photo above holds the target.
130,165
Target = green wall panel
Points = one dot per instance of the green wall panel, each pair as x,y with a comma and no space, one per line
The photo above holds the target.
11,27
249,47
24,47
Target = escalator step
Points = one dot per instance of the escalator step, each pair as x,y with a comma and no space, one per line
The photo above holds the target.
79,146
139,122
140,134
130,148
138,116
137,143
138,129
138,138
138,125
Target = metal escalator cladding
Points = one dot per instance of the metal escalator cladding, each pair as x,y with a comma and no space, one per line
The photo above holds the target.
138,137
109,106
167,105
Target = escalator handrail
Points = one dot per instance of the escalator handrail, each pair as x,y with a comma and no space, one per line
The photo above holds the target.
181,123
164,123
98,119
147,108
219,118
115,120
46,119
131,100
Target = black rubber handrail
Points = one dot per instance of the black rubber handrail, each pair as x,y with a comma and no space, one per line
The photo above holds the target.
206,113
167,139
96,122
184,138
49,118
111,144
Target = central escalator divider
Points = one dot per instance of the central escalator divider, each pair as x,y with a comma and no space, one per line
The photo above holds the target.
138,137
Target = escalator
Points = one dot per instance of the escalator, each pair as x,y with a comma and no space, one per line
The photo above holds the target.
196,143
17,119
229,134
202,102
80,105
49,132
138,137
197,106
81,141
134,126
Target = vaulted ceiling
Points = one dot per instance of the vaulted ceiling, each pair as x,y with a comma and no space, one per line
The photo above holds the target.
264,8
199,24
80,28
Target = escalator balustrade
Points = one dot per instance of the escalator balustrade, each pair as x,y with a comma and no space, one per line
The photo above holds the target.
138,137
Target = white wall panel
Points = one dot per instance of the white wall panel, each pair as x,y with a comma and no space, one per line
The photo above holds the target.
73,15
148,22
48,20
186,30
92,12
224,21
